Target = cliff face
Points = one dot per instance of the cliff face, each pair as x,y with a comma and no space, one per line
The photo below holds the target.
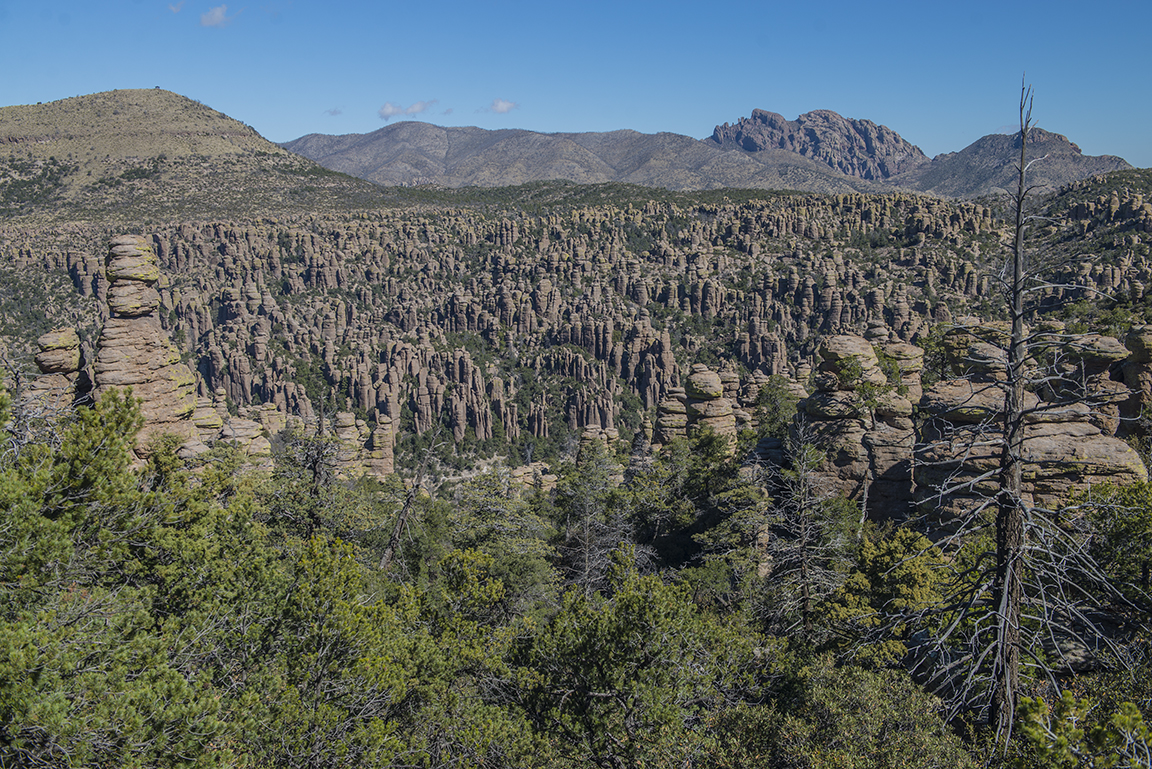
858,148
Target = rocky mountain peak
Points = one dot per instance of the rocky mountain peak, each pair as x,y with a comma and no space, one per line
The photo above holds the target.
858,148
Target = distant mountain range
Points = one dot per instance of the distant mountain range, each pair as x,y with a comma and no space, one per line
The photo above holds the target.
139,155
820,151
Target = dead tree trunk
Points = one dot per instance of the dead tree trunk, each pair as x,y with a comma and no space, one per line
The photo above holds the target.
1010,508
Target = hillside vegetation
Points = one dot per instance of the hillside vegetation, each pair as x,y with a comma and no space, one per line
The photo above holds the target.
552,475
152,155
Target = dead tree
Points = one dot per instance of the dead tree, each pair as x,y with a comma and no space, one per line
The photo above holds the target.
1023,592
804,538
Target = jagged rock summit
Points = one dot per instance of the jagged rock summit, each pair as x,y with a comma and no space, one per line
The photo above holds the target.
858,148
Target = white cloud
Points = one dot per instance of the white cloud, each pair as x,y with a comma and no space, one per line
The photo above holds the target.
217,17
176,8
390,110
334,111
500,106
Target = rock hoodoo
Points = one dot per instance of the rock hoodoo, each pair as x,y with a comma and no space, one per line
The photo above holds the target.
863,424
62,380
525,330
134,351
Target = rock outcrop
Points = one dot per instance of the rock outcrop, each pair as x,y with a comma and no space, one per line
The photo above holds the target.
854,147
62,381
135,352
519,332
1068,445
707,407
863,424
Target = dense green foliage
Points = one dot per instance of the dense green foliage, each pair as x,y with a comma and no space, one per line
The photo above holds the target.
161,613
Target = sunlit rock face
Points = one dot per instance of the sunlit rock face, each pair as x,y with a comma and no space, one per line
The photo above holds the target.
134,351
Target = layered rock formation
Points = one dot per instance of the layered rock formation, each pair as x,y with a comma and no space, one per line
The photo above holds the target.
517,332
706,407
1069,446
135,352
709,401
62,381
863,424
949,462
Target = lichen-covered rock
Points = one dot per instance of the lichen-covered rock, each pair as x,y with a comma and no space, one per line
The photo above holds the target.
1138,341
968,401
130,257
1065,450
671,418
132,299
909,362
703,383
852,360
706,407
59,352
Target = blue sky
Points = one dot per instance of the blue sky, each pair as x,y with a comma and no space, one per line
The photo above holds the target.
940,74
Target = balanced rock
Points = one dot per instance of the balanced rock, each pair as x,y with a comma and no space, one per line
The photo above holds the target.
59,352
852,360
61,383
707,408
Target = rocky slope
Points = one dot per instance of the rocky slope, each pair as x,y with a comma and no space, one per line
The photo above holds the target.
149,154
987,167
857,148
521,332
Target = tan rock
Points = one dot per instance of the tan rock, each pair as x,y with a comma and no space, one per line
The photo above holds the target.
851,359
703,383
833,405
1139,341
713,409
135,352
59,351
132,299
968,402
131,257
